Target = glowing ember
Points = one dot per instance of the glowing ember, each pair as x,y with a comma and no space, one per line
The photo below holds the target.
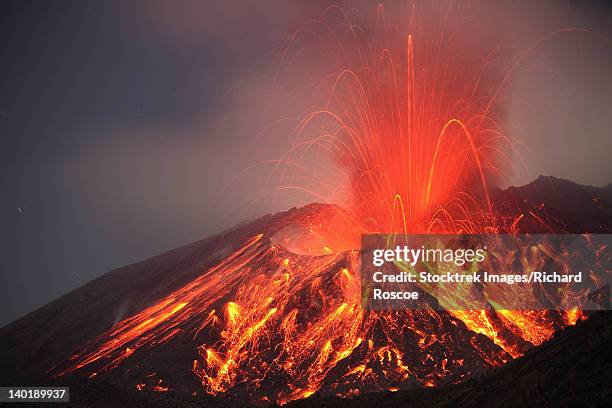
281,317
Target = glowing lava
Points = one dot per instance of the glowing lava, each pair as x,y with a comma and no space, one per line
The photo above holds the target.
410,122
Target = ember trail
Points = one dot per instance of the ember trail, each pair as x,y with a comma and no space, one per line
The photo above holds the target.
409,119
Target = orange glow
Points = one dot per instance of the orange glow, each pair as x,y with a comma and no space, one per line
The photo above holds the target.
281,318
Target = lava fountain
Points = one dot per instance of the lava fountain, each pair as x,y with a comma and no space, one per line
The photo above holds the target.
410,120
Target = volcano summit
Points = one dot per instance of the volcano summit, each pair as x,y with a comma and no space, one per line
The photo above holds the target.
244,317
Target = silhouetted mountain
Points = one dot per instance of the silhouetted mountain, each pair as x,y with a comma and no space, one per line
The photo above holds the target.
550,204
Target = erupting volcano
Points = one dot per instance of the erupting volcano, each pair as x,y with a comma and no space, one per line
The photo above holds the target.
243,316
271,311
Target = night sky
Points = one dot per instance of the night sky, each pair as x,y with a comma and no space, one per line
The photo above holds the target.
123,123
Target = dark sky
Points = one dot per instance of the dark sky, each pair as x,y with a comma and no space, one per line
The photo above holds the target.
122,122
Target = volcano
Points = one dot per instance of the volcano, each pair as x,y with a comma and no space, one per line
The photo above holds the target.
267,312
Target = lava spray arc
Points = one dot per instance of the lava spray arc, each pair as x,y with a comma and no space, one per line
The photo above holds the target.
409,117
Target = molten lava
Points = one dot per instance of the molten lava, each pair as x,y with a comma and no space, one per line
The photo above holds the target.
281,318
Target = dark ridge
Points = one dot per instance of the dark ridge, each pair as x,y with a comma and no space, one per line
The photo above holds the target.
553,205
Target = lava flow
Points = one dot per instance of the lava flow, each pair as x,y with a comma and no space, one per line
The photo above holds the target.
410,121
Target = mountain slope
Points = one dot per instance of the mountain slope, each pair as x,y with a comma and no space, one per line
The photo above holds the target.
571,369
39,346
